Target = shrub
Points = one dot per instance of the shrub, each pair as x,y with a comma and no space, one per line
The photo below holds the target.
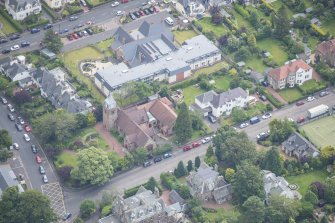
50,12
240,10
162,149
318,30
87,208
268,6
272,99
311,86
106,211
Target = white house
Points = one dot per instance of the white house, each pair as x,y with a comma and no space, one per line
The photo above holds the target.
57,3
221,104
20,9
292,73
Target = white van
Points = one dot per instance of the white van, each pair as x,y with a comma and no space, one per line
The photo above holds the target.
169,21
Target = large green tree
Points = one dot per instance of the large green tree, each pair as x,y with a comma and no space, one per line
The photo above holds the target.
183,126
52,41
254,210
28,207
87,208
330,189
236,149
280,130
140,155
94,167
281,23
180,171
5,139
272,161
151,184
247,181
281,209
57,126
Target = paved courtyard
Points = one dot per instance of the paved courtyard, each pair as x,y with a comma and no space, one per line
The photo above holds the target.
54,192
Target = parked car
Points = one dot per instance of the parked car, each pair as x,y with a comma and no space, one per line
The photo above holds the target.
141,12
5,51
27,128
196,144
14,37
146,11
38,159
310,98
41,169
206,140
254,120
333,107
10,108
158,159
4,100
137,14
89,31
73,18
114,4
84,33
11,117
323,93
267,115
75,36
35,30
67,216
78,26
167,155
151,10
20,119
15,47
45,179
16,146
18,127
25,44
147,163
262,136
299,103
119,13
301,119
244,125
3,40
265,83
69,37
47,26
263,97
33,149
132,16
187,148
26,137
211,118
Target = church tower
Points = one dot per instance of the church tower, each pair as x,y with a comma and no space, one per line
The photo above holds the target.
110,113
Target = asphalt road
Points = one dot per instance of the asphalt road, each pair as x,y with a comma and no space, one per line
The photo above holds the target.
25,155
102,14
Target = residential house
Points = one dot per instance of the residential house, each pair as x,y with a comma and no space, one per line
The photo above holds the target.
140,124
221,104
325,52
276,185
306,55
20,9
206,185
8,179
55,87
296,145
294,72
177,200
145,207
192,7
148,54
257,77
57,3
16,70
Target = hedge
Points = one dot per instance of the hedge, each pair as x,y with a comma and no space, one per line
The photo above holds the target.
40,23
14,23
272,99
132,191
318,30
268,6
241,11
50,12
311,86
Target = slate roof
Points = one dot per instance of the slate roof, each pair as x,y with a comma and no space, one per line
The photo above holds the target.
14,69
25,81
163,113
291,67
4,62
228,96
8,179
175,197
207,96
18,5
299,146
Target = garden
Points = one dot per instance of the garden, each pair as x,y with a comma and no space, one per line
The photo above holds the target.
182,35
304,180
207,26
279,55
6,26
291,94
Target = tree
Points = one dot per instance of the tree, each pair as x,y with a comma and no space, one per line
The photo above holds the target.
324,220
5,154
65,172
311,197
29,206
180,171
152,184
22,97
281,209
183,126
254,210
280,130
91,120
94,167
242,54
254,20
165,91
239,115
328,154
330,190
305,210
87,208
236,149
52,41
272,161
5,139
318,188
281,23
57,126
248,181
140,155
252,40
184,191
197,162
3,83
197,121
189,166
215,9
97,111
106,199
81,121
217,19
229,174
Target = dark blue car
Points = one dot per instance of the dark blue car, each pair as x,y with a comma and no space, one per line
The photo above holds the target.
47,26
34,30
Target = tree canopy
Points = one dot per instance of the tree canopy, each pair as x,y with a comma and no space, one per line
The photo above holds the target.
94,167
280,130
52,41
330,190
183,126
254,210
281,23
87,208
281,209
272,161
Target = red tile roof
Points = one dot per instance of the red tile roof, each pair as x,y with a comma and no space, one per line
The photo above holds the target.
292,67
325,47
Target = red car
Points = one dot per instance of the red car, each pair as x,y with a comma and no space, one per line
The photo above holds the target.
299,103
300,119
156,8
141,12
38,159
75,36
187,148
195,144
27,128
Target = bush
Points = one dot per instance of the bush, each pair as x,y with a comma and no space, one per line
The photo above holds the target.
106,211
311,86
87,208
240,10
50,12
162,149
40,22
272,99
318,30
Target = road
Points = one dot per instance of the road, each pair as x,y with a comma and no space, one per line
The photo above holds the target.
24,160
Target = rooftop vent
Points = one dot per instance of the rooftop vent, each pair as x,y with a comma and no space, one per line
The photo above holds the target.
124,71
169,58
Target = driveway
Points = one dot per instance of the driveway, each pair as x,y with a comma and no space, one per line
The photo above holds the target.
114,145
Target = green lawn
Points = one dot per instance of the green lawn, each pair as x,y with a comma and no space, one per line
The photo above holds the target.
256,64
66,158
256,109
273,46
190,93
222,215
241,21
7,28
277,4
329,26
222,82
211,69
71,61
308,3
290,94
312,86
104,46
182,35
208,26
90,137
321,132
304,180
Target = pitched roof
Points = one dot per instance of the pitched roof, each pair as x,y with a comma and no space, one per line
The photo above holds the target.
291,67
175,197
300,146
326,47
18,5
163,113
230,95
14,69
207,96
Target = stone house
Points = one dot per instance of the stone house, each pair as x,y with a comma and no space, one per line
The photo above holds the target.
20,9
206,185
325,52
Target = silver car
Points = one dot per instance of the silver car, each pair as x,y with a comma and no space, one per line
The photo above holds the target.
45,179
